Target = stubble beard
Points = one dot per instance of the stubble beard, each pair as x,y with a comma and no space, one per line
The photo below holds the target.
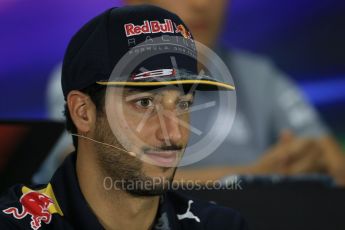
125,171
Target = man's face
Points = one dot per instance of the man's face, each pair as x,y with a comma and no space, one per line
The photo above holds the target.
203,17
153,124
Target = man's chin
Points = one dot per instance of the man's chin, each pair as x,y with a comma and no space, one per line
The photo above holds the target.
152,186
158,180
156,171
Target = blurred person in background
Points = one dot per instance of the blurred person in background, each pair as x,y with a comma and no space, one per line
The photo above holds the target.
276,131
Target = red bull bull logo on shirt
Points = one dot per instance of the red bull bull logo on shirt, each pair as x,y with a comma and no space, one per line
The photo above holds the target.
39,205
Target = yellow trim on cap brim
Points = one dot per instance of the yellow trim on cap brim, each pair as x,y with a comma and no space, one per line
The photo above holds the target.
157,83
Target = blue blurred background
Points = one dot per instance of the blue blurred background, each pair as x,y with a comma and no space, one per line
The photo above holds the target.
305,39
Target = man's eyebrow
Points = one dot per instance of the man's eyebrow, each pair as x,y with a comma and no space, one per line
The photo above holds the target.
186,97
188,94
132,93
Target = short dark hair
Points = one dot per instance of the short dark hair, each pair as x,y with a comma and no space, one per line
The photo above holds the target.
96,93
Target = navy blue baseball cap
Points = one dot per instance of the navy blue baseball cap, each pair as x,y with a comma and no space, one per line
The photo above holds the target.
158,48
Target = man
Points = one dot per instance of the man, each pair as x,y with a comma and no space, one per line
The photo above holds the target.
275,129
119,175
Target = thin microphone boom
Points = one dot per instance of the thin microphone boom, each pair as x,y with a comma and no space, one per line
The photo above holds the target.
102,143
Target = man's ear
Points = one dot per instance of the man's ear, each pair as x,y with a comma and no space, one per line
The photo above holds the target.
82,110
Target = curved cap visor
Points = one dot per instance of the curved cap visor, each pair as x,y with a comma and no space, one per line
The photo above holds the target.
203,83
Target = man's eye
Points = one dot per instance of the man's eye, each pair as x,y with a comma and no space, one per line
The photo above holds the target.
184,105
144,102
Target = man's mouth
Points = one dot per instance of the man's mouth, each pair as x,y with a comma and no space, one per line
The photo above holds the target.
167,158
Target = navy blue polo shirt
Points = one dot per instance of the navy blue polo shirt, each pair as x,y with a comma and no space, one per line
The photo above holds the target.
61,205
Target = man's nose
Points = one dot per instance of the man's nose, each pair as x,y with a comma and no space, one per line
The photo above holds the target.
169,130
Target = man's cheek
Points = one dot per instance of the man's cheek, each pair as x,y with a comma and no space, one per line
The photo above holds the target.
185,135
185,129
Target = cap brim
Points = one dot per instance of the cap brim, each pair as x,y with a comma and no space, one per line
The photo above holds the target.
201,84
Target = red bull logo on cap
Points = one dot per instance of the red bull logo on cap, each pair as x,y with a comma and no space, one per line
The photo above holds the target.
149,27
39,205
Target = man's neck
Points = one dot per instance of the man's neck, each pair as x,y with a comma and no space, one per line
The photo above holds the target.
115,209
